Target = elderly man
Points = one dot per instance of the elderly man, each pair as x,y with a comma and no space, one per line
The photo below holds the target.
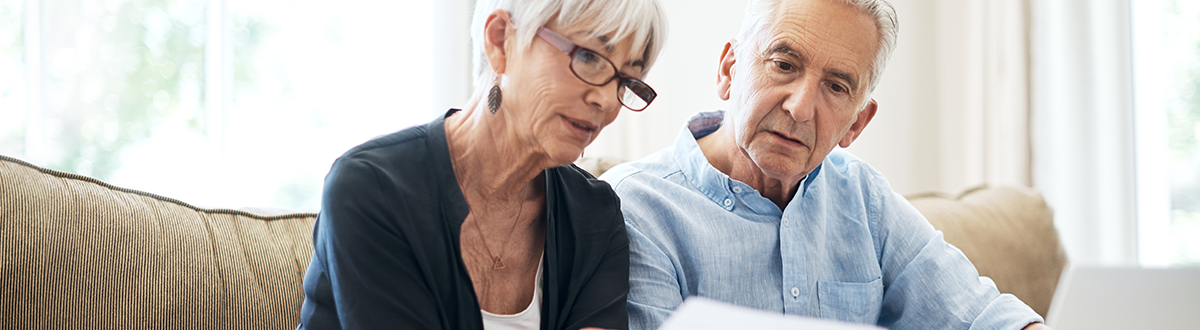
755,207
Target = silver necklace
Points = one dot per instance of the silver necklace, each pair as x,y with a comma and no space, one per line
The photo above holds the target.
496,262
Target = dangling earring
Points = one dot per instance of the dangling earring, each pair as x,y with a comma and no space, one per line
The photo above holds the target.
494,96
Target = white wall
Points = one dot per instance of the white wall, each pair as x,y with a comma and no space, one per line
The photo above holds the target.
684,76
943,122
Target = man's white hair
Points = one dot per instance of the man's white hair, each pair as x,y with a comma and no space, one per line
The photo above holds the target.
642,20
760,14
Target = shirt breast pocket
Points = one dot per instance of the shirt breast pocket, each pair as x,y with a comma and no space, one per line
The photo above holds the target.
850,302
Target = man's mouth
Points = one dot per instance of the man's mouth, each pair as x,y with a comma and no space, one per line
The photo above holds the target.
785,137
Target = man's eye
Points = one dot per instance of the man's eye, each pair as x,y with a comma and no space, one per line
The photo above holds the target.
785,66
838,88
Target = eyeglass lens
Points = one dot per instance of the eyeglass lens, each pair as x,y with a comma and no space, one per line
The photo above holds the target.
597,70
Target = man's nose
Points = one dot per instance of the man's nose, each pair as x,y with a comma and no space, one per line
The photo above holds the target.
802,99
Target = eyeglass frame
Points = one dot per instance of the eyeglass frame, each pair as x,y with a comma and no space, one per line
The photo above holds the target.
569,47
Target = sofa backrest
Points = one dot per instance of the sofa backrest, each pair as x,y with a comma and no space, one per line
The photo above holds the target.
1008,233
77,253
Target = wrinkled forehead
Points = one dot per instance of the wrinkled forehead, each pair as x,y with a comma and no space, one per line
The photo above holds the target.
828,30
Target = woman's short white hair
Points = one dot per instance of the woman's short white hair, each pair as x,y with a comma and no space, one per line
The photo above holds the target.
759,15
642,20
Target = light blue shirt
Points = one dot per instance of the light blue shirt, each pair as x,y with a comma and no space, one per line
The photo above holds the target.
846,247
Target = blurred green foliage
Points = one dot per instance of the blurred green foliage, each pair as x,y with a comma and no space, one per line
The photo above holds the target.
145,55
150,61
11,49
1183,125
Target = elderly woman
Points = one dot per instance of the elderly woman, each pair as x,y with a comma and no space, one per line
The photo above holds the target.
478,219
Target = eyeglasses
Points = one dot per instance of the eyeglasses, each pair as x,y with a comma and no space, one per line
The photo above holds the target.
597,70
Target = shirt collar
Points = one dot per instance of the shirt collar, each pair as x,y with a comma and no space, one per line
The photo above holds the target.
717,186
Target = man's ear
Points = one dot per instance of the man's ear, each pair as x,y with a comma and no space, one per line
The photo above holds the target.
725,70
496,31
860,123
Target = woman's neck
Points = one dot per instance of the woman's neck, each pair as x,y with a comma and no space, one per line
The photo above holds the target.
491,162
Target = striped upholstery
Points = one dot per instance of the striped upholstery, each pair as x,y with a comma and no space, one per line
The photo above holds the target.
76,253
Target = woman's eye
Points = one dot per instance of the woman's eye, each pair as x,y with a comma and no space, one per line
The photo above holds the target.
586,56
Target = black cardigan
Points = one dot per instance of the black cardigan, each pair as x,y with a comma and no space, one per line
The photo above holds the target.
386,243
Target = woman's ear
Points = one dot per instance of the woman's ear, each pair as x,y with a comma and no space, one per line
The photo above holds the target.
496,31
725,70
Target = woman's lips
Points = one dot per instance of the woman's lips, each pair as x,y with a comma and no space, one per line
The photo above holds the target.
581,129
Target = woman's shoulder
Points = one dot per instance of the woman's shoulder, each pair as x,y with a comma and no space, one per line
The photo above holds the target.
409,159
579,180
582,194
405,140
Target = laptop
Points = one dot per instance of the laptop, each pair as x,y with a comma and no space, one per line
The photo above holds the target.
1126,298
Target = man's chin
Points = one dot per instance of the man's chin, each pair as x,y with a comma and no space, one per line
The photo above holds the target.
781,166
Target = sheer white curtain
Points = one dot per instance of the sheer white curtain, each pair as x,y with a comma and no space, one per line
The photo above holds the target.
954,102
1082,126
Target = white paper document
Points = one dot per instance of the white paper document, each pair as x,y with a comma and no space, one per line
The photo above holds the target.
697,313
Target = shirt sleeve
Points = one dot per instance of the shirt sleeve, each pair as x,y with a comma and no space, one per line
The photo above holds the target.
371,270
930,284
654,290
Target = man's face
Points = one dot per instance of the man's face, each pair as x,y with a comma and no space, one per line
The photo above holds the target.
797,89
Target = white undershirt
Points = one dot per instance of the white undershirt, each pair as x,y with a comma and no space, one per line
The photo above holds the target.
530,318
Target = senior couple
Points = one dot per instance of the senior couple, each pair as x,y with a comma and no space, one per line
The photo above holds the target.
478,219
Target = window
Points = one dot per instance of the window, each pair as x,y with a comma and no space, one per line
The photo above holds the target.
12,77
1166,54
214,102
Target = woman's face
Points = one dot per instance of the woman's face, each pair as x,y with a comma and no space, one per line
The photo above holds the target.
551,109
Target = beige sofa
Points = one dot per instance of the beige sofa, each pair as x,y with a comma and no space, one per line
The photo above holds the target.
77,253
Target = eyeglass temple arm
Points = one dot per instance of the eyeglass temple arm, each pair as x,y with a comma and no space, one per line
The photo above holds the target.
566,46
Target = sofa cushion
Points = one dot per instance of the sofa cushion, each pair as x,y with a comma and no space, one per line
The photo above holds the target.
1008,233
82,254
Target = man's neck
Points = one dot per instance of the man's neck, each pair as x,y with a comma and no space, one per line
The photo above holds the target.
723,153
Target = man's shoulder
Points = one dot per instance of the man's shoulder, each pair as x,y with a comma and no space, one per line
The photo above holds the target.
844,161
651,185
844,168
656,166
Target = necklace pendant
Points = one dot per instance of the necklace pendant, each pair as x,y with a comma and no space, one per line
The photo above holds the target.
497,264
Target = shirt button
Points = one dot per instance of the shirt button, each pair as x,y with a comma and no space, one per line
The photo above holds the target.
728,202
737,189
795,292
785,222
